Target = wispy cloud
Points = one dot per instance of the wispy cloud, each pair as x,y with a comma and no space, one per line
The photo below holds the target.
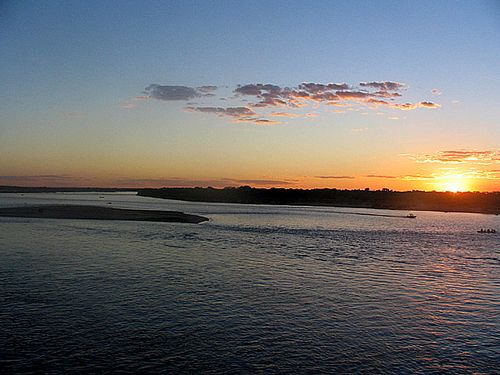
238,114
452,174
384,85
418,177
289,115
207,88
316,88
230,111
402,106
169,182
257,121
336,177
263,182
458,164
40,176
379,176
484,157
41,180
186,182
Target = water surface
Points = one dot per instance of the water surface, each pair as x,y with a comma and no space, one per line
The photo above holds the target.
257,289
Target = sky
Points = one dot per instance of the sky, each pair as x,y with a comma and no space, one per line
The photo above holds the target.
346,94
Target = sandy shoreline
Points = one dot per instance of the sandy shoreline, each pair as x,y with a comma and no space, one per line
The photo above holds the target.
98,213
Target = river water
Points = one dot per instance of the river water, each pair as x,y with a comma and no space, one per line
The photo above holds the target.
257,289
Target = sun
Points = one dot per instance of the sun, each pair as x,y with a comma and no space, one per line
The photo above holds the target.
454,187
454,184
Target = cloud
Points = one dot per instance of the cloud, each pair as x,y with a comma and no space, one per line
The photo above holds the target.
418,177
42,176
453,174
336,177
330,94
488,175
165,92
41,180
428,105
238,114
263,182
378,102
384,85
315,88
230,111
379,176
270,101
257,89
483,157
170,182
271,95
412,106
284,114
404,106
186,182
207,88
459,163
257,121
250,101
353,95
385,94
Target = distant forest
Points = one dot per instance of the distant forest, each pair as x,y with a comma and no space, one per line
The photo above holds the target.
488,203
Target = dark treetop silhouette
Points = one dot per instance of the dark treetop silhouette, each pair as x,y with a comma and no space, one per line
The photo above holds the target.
382,199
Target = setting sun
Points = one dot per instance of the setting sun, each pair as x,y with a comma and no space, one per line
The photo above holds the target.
455,184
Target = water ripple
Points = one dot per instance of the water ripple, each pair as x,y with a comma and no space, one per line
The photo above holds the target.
235,297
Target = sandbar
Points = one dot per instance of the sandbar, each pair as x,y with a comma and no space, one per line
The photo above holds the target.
99,213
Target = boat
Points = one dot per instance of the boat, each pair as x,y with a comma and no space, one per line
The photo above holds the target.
486,231
411,216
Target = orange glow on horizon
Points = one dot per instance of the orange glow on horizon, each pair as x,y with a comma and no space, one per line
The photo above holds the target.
454,183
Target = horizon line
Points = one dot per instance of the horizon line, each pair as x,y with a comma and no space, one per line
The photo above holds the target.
239,187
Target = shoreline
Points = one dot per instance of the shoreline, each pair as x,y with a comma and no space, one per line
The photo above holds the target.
89,212
486,203
469,202
313,205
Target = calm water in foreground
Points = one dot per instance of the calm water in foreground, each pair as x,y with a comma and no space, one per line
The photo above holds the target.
257,289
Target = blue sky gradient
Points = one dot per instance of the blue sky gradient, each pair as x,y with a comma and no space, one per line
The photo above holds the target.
72,71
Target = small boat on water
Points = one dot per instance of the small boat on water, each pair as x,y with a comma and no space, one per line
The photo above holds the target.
411,216
486,231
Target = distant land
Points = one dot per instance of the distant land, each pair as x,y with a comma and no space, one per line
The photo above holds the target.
473,202
99,213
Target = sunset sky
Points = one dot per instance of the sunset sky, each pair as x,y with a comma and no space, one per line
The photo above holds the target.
339,94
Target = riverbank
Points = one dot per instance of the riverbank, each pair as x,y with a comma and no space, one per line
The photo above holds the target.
469,202
99,213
